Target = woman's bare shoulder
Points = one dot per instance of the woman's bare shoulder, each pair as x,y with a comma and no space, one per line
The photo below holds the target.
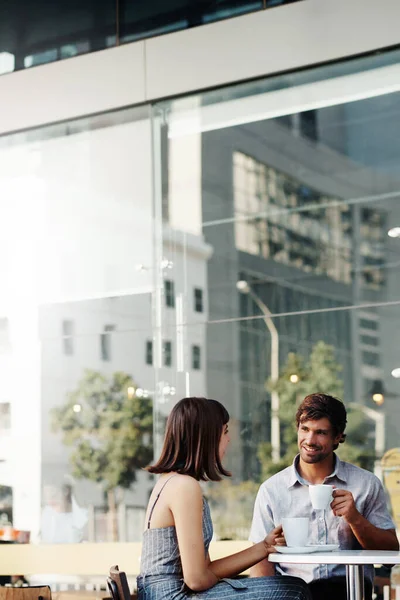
186,484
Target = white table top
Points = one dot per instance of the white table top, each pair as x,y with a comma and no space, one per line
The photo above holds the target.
340,557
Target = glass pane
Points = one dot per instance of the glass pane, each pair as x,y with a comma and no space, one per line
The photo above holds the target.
294,213
96,395
34,33
76,232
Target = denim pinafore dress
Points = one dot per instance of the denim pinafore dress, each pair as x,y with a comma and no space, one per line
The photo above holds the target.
161,576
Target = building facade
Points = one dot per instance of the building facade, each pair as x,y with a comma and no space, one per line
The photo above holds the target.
155,167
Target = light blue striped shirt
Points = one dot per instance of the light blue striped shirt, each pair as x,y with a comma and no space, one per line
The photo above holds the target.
286,495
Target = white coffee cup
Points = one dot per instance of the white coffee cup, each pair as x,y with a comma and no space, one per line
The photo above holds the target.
321,496
295,530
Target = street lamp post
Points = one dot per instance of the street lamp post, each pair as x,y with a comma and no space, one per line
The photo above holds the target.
245,288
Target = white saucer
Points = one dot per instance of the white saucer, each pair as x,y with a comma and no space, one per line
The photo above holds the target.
325,547
306,549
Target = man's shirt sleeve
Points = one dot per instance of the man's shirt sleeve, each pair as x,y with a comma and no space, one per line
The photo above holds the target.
376,510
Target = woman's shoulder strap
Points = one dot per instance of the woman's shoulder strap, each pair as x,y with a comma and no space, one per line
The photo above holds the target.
157,497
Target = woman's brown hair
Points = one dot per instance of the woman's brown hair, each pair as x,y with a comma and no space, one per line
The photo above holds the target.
192,437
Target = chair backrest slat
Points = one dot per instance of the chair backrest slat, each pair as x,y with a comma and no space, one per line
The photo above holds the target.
40,592
121,582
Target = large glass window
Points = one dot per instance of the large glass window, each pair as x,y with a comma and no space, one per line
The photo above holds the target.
34,32
76,260
242,230
295,192
293,237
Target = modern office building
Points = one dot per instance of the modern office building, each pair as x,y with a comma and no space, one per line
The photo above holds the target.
148,162
295,258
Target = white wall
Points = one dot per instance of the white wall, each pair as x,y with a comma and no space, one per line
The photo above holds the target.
271,41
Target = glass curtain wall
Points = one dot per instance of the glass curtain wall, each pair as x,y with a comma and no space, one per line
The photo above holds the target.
241,244
76,328
291,188
34,32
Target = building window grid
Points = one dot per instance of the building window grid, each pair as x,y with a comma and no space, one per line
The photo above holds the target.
369,337
169,291
371,358
196,357
369,325
167,353
198,300
105,342
369,340
318,241
149,352
68,337
372,248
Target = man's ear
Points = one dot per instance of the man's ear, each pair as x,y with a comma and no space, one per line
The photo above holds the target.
341,438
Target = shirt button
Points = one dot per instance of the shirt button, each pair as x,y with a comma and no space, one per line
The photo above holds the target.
321,519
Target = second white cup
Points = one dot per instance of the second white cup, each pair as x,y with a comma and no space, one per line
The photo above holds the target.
321,496
295,530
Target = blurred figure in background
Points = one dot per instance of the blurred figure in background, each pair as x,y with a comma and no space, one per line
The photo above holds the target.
62,520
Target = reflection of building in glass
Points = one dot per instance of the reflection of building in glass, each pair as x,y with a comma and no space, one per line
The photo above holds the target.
279,217
297,333
372,237
284,223
286,204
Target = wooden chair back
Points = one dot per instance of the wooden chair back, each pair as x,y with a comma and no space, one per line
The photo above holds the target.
117,584
39,592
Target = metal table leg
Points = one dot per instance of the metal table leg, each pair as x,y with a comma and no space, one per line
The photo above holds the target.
355,582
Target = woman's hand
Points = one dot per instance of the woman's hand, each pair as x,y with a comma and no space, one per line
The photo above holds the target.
274,538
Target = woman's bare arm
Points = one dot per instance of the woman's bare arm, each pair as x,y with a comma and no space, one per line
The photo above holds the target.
186,505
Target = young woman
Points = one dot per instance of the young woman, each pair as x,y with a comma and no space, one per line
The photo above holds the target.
175,562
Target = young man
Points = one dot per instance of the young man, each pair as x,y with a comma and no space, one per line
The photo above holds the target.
358,517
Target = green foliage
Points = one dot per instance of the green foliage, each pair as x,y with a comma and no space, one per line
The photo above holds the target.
269,468
111,435
321,373
355,450
232,505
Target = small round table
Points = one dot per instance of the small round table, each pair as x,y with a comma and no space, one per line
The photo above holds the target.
353,559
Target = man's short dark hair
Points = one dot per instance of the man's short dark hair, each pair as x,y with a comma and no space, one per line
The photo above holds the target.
320,406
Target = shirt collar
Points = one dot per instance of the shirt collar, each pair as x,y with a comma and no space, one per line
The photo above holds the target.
340,470
294,477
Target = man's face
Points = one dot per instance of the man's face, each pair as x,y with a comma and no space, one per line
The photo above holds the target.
316,440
